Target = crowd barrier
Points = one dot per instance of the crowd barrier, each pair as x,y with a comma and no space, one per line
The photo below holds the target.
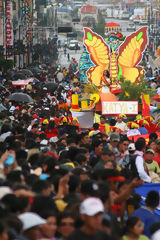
144,189
145,136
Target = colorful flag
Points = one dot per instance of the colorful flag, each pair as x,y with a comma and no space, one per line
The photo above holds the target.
145,107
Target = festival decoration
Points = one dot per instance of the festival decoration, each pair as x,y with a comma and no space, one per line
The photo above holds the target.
145,106
84,64
142,122
9,36
121,116
119,59
132,125
86,104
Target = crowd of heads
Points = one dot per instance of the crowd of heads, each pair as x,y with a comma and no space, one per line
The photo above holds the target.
61,181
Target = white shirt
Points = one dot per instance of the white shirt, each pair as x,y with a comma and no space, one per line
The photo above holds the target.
122,126
153,85
140,167
60,77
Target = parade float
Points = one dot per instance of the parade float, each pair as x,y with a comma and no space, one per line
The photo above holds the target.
102,64
157,58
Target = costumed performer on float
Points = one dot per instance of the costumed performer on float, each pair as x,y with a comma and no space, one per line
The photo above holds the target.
121,124
105,82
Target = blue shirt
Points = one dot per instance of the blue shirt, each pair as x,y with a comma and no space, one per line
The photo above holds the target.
147,217
142,130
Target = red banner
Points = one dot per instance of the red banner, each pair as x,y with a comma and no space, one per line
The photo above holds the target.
9,29
145,136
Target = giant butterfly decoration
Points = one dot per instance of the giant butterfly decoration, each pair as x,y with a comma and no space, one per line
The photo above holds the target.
120,61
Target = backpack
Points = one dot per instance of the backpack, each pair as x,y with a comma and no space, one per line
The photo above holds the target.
131,167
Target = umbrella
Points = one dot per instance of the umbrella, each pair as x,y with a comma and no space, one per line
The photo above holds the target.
36,80
51,86
27,72
19,75
3,91
20,97
43,65
2,108
35,70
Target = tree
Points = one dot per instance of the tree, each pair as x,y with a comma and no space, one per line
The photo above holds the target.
100,26
132,91
75,13
6,64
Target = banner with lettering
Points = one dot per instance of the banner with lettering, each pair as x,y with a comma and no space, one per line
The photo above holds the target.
9,29
120,107
1,25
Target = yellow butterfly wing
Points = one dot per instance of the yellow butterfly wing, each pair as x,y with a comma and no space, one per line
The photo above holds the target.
130,54
99,55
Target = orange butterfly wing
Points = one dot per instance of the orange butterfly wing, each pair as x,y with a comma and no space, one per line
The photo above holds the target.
99,55
130,54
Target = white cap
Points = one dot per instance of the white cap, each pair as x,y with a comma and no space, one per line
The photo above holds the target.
4,191
156,235
30,220
150,151
158,91
53,140
67,87
44,142
131,147
91,206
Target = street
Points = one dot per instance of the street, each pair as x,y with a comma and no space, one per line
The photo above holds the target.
63,60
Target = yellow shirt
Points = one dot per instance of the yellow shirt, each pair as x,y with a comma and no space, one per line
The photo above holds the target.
104,127
153,167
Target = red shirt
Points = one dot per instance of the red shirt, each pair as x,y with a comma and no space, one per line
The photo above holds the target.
51,133
157,158
102,128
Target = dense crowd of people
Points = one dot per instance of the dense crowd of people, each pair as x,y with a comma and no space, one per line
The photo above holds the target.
61,181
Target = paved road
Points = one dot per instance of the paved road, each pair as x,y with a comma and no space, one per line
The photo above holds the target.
63,60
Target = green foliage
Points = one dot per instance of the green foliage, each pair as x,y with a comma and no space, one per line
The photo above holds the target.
75,13
90,88
100,27
6,64
39,3
132,91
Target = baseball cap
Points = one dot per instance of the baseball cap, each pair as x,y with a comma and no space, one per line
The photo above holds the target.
90,187
44,142
131,147
35,116
107,152
66,87
115,137
30,220
156,235
150,151
112,175
53,140
91,206
4,190
45,121
12,118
